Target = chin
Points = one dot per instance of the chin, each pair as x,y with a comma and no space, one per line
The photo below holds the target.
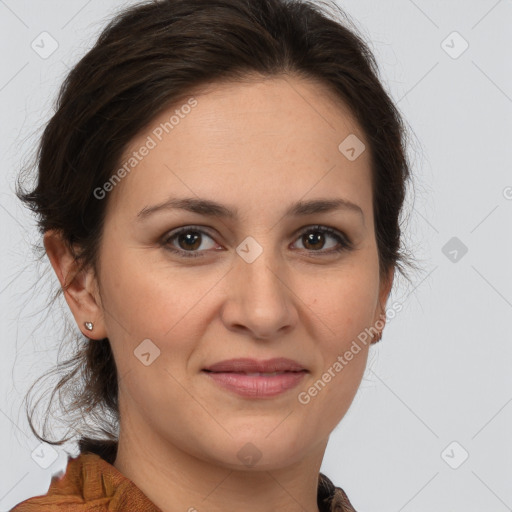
261,451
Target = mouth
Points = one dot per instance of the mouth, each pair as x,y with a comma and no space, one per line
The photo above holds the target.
256,379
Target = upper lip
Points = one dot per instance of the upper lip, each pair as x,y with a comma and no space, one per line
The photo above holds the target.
246,365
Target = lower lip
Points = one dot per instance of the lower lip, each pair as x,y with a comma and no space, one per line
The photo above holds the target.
257,386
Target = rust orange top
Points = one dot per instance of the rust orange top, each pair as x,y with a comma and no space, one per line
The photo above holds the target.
91,484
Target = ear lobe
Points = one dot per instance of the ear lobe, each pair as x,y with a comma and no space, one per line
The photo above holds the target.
78,285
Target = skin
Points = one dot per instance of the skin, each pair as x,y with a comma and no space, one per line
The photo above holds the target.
257,146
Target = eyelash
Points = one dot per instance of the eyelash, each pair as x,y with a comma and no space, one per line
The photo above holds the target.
343,240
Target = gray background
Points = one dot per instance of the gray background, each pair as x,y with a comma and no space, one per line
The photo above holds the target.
442,371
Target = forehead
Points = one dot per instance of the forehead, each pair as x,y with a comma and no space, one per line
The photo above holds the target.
256,139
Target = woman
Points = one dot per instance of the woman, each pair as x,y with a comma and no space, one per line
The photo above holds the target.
219,191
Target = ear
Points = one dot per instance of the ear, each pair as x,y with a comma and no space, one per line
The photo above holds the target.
79,286
386,284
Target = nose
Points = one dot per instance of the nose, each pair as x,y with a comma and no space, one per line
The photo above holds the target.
260,301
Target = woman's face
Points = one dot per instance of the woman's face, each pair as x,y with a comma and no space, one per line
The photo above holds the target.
260,283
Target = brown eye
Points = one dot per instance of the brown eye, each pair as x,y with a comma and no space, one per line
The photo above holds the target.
187,241
315,238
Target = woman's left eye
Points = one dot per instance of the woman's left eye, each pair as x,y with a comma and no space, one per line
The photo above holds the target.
316,235
190,240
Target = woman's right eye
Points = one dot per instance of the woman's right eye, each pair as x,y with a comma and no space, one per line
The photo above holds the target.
189,238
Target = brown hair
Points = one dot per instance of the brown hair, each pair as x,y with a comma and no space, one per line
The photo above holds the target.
149,57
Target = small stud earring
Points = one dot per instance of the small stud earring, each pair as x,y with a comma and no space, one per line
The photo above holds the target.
89,326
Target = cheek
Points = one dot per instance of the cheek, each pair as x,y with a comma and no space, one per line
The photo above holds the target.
151,299
343,302
343,310
148,297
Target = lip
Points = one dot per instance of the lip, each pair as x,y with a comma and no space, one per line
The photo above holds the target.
246,365
235,375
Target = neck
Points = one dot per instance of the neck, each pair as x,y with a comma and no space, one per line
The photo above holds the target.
177,481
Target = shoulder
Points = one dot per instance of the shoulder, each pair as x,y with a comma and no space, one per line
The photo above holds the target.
332,498
89,484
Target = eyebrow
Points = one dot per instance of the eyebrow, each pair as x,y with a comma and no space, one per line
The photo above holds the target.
213,209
